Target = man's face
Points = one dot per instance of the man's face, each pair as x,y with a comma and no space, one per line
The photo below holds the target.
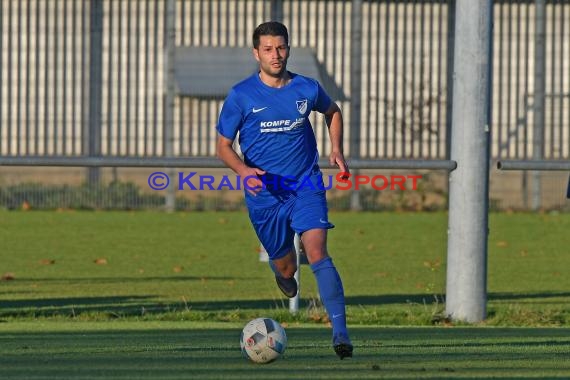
272,55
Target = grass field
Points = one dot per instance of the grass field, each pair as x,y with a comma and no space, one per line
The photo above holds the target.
176,350
156,295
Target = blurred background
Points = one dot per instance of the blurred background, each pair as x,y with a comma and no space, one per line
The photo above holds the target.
146,79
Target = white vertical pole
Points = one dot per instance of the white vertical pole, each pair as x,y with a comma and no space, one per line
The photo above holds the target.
466,295
294,302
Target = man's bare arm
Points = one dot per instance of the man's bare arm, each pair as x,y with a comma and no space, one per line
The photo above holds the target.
335,123
225,151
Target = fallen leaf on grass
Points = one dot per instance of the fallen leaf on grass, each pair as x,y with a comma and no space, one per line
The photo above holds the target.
100,261
47,262
178,269
8,276
432,264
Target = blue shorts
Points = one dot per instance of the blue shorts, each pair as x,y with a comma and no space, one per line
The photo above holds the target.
276,226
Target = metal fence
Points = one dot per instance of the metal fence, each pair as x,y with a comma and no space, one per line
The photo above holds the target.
52,66
531,53
89,78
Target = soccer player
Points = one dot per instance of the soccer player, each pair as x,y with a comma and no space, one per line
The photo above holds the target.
283,182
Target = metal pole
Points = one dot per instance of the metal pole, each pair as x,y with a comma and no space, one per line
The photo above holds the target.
449,78
170,196
468,220
93,135
294,302
205,162
277,10
355,87
538,165
450,71
538,104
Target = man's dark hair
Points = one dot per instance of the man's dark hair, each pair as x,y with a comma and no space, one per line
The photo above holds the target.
270,28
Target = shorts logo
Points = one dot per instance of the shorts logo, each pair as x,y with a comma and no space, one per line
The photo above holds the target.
302,106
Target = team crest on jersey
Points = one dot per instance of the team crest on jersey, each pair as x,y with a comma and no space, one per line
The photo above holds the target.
302,106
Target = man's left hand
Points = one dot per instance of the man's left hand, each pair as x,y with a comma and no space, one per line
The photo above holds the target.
337,159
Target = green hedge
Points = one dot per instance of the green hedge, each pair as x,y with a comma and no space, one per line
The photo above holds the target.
119,195
113,196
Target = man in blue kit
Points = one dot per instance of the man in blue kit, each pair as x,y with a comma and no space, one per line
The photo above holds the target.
285,193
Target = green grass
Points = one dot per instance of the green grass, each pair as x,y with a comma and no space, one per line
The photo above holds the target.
164,296
178,350
204,266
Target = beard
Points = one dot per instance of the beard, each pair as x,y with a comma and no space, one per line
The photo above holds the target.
275,71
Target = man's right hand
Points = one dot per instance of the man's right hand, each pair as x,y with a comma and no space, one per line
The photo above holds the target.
251,178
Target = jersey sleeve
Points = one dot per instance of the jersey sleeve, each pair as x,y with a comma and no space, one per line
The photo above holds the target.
323,101
231,117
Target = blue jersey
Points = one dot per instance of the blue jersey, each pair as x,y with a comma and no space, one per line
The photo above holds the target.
275,133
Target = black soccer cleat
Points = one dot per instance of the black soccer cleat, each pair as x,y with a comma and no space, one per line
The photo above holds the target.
287,285
342,346
343,350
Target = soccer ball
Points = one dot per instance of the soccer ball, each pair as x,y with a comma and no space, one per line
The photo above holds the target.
263,340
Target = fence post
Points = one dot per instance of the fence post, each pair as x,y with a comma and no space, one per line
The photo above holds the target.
451,5
538,104
92,137
170,40
277,10
469,184
355,88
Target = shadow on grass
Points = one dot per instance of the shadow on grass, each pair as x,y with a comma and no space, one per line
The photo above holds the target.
79,302
120,306
98,280
74,306
213,353
518,296
431,298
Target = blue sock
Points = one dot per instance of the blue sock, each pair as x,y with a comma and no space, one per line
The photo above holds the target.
332,294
